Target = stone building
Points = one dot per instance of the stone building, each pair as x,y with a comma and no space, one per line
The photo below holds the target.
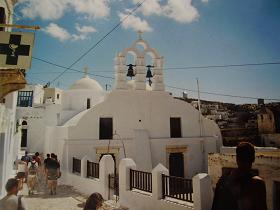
266,121
269,125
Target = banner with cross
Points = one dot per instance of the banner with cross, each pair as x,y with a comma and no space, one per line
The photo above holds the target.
16,49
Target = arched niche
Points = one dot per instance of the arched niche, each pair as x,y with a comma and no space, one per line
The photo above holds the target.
130,57
23,143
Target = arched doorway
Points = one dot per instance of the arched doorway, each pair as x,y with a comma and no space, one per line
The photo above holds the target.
23,134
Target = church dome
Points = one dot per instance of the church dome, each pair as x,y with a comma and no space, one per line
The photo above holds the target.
86,83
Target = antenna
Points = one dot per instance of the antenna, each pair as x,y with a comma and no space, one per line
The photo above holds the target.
199,108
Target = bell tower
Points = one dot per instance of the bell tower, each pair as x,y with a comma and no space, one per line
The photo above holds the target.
140,71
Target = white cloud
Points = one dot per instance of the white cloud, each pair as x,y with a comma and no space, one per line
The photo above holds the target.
150,7
57,32
135,23
55,9
45,9
91,8
85,29
205,1
181,10
62,34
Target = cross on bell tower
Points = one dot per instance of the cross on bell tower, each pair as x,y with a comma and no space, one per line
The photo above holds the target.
86,71
140,33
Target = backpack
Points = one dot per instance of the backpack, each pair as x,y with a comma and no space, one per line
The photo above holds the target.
224,198
32,169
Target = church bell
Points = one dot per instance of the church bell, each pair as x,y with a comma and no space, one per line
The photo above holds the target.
149,72
130,71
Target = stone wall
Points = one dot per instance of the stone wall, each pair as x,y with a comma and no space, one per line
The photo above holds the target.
271,140
267,165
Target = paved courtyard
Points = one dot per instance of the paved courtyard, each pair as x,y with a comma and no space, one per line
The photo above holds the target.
67,198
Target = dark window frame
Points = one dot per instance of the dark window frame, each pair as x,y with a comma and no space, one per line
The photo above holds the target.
25,98
105,128
175,130
88,103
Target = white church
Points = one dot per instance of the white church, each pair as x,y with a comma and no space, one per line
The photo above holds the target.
138,119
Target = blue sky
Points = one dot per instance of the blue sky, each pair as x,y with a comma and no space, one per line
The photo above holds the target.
185,32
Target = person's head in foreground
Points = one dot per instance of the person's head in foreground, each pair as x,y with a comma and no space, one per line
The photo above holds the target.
12,186
94,201
245,156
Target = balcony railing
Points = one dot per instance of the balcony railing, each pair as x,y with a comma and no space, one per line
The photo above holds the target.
177,187
140,180
92,170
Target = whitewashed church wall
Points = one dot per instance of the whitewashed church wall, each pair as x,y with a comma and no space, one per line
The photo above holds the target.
193,157
66,115
54,140
142,110
80,148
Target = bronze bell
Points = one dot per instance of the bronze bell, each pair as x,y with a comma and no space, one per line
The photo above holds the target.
130,71
149,72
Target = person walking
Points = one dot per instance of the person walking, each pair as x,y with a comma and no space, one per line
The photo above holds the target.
12,201
94,201
52,174
38,158
46,162
22,172
240,189
32,178
26,158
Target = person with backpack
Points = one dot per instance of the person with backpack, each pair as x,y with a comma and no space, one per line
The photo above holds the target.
12,201
26,158
240,189
46,164
53,174
32,178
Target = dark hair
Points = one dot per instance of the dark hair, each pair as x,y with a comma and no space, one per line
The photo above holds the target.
52,155
94,200
11,183
48,155
245,152
33,157
26,152
37,153
22,159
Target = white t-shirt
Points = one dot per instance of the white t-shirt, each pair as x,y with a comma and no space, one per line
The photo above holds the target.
11,203
21,167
